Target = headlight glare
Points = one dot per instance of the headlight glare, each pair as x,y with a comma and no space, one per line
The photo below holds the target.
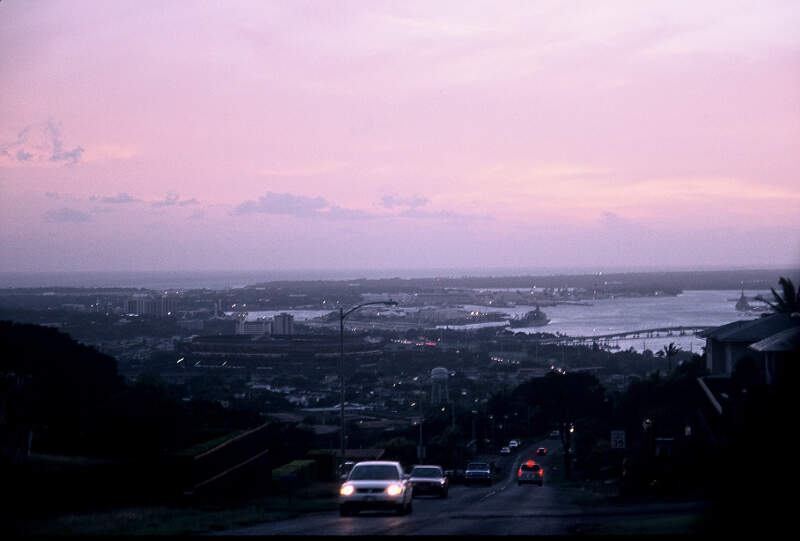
346,490
394,490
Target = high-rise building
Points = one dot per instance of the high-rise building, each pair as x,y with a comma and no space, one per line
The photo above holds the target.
283,324
140,304
143,304
165,305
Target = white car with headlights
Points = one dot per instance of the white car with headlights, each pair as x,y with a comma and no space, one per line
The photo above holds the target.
381,485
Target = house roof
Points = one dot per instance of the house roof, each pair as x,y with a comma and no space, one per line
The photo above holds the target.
716,331
787,340
754,330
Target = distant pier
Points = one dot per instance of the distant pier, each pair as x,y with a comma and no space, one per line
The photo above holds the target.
658,332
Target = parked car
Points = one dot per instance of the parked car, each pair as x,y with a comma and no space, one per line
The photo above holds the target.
478,472
555,434
541,451
530,472
513,444
381,485
429,480
505,451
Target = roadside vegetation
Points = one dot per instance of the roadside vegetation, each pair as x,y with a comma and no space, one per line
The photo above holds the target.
186,519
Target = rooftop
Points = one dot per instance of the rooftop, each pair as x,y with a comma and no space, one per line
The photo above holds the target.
785,341
752,330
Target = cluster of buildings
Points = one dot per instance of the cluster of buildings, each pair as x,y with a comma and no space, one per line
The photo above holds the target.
278,325
144,304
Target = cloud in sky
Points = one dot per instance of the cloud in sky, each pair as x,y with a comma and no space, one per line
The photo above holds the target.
391,201
170,200
299,206
339,213
41,143
120,198
67,215
318,207
610,219
282,203
173,199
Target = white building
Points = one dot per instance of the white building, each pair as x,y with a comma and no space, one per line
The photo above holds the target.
259,327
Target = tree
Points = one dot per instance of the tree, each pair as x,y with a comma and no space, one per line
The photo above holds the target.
669,352
401,449
788,301
54,390
565,399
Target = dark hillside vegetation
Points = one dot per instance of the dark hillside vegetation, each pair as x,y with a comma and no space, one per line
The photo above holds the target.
62,397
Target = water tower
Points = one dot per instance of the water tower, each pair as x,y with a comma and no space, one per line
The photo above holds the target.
439,392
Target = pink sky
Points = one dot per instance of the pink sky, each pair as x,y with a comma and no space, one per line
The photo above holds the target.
143,135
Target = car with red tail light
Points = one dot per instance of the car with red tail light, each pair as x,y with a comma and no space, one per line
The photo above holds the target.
530,472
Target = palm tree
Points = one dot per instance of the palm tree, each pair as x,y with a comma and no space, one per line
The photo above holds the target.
788,302
669,352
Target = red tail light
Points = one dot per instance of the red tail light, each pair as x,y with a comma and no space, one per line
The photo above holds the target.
541,473
519,472
530,463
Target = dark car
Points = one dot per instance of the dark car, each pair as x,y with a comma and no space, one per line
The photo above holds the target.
541,451
530,472
429,480
454,476
478,472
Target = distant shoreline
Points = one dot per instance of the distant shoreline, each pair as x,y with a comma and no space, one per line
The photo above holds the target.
436,278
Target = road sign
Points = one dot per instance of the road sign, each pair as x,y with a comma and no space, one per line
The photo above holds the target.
618,439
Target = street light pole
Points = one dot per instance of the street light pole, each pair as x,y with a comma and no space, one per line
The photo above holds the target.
341,380
342,315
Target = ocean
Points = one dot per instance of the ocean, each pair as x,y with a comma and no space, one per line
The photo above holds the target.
607,316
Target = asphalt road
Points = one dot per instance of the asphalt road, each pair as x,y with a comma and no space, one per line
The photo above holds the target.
500,509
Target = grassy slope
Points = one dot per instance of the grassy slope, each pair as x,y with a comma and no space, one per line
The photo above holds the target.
186,519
